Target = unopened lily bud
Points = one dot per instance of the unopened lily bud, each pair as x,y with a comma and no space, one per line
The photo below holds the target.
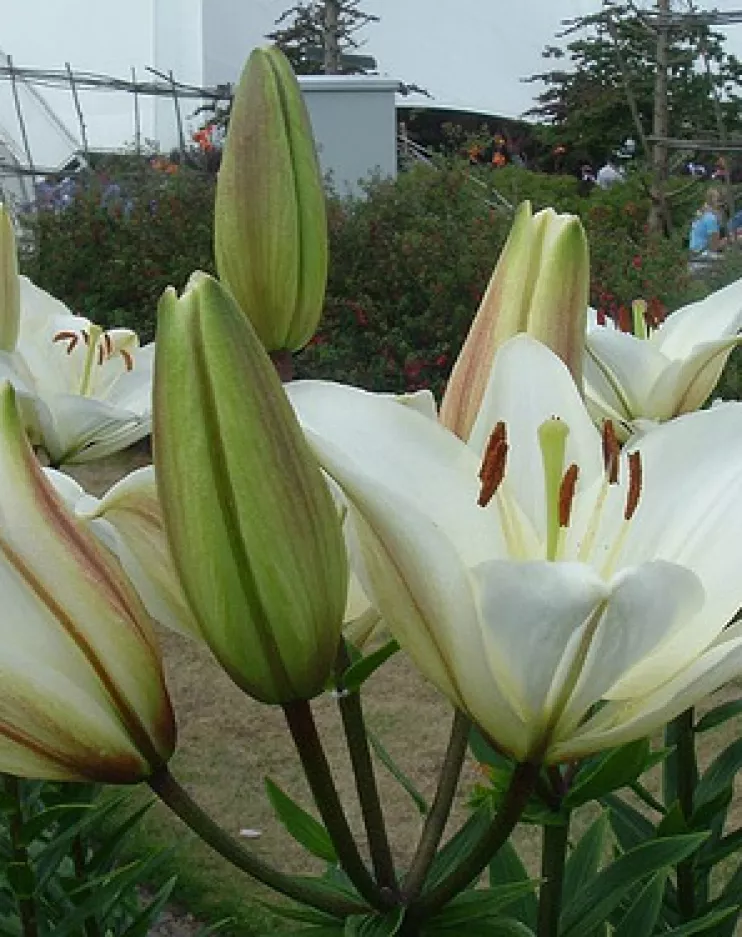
254,534
539,286
10,289
84,696
270,219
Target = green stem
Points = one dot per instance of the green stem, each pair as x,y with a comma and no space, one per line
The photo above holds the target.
183,805
680,734
351,712
435,822
79,861
553,858
317,770
473,864
20,858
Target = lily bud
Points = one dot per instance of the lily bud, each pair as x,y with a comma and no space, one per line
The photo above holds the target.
270,219
10,289
540,286
254,534
84,696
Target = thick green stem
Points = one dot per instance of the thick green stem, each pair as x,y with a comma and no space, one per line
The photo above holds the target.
20,859
680,734
183,805
435,822
553,858
473,864
317,770
351,711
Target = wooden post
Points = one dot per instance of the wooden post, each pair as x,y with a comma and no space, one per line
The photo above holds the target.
80,118
332,44
658,214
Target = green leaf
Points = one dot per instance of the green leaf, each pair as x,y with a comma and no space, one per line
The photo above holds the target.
396,772
299,913
497,927
673,823
726,846
483,904
21,879
629,825
584,860
597,900
357,674
34,827
142,923
307,831
507,867
701,924
457,847
641,917
719,775
374,925
613,770
718,715
485,754
337,930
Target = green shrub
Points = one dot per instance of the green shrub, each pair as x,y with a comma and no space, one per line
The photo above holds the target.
110,259
408,262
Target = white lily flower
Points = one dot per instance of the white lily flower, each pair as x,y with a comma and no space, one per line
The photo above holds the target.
84,393
637,378
608,583
127,520
84,695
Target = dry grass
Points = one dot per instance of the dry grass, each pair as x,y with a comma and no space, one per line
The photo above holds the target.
228,744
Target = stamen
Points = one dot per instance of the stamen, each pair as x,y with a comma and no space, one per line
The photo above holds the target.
128,359
611,451
108,343
635,484
86,336
567,494
72,338
492,471
101,353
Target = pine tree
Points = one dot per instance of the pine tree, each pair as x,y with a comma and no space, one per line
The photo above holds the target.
314,35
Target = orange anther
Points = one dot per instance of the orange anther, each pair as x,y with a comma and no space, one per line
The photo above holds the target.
635,484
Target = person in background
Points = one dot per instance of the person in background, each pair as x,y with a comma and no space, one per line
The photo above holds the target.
705,230
609,175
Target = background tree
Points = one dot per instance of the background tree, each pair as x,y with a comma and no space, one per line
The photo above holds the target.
311,29
585,105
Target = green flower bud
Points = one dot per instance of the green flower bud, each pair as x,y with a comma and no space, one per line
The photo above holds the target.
539,286
10,289
270,219
255,536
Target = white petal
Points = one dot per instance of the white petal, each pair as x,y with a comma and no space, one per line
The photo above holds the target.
647,604
403,453
619,723
690,509
690,382
714,317
629,363
530,613
129,520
